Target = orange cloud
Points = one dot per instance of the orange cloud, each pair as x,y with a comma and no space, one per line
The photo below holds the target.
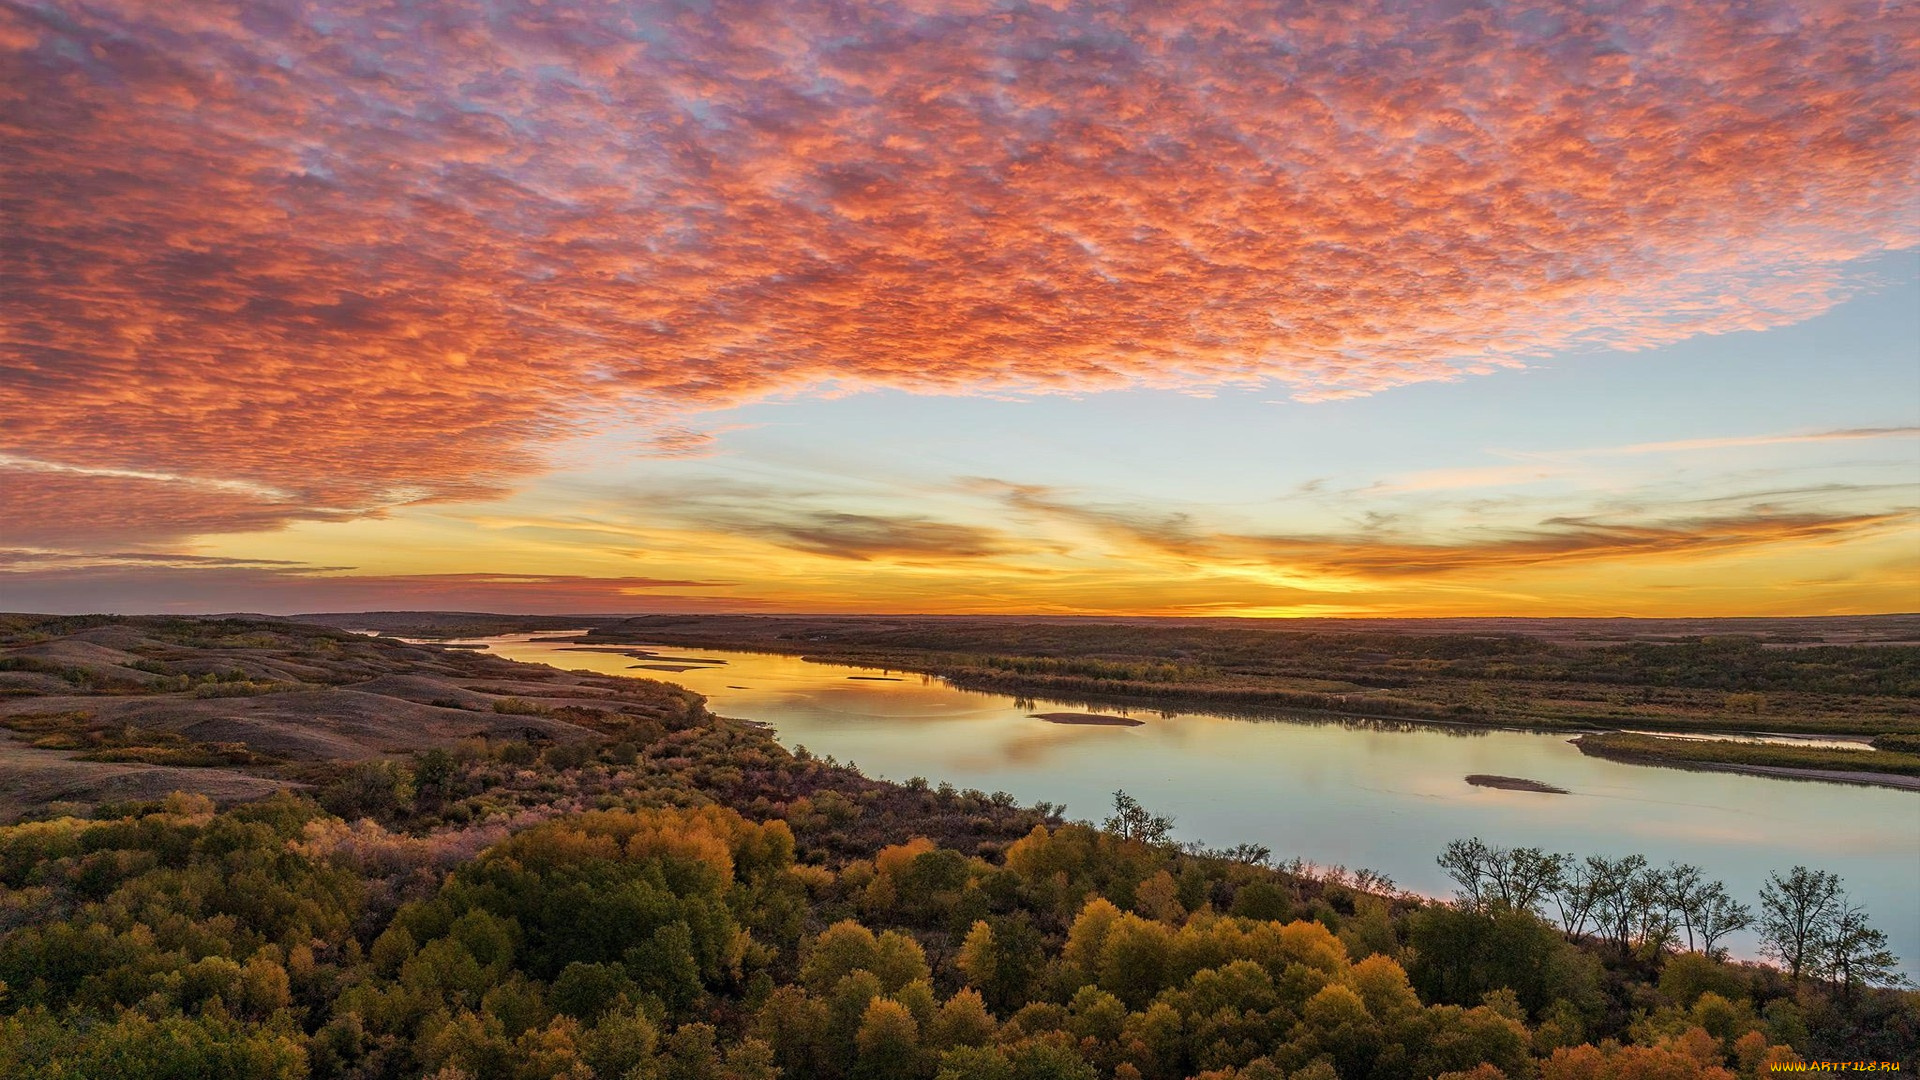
1056,556
861,537
369,253
1384,554
80,510
1562,541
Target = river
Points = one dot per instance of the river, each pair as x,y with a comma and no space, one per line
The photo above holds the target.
1330,790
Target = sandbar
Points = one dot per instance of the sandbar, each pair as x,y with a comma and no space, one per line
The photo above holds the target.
1091,719
1514,783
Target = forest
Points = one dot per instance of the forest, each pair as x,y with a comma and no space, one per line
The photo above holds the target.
590,877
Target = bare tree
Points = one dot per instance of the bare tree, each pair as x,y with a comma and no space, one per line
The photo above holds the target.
1614,902
1576,896
1523,878
1133,821
1797,913
1851,952
1686,890
1518,879
1647,898
1374,881
1716,915
1466,862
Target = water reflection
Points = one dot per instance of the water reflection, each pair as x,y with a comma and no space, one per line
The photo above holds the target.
1331,789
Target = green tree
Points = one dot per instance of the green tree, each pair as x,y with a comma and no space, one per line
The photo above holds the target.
1001,957
962,1021
846,946
887,1043
795,1026
1458,957
587,991
1048,1061
621,1044
975,1063
373,789
434,772
691,1053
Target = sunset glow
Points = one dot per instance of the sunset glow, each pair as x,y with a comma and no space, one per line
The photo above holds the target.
1186,308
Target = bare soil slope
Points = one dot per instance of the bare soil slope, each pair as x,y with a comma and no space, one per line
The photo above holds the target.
98,709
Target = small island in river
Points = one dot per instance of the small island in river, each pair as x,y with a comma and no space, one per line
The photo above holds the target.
1515,783
1091,719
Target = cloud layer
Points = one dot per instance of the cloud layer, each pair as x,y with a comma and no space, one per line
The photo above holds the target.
293,260
1389,552
136,583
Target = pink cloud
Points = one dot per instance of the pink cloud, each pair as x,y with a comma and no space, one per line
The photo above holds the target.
368,253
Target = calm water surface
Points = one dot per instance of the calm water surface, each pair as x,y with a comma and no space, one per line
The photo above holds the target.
1326,790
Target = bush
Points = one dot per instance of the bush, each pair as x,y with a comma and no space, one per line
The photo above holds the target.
370,790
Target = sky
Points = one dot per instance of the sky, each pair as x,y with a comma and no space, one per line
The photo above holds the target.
1190,307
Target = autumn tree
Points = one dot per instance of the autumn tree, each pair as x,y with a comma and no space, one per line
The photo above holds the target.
888,1043
1001,957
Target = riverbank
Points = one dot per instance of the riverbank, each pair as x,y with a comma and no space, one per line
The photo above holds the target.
1382,794
1254,701
1547,677
1879,768
1172,681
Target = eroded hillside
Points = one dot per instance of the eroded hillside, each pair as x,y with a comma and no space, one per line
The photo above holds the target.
116,709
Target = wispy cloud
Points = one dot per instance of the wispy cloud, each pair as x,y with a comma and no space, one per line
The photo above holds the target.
1564,541
286,261
1389,551
32,559
1172,531
16,463
866,536
1539,466
150,583
1466,478
1679,446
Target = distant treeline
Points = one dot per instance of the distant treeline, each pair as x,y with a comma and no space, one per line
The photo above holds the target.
1737,664
1707,682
